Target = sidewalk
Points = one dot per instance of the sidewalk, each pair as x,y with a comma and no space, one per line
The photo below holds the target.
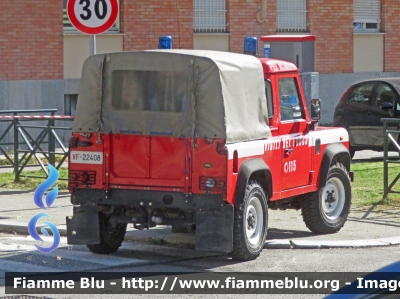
366,226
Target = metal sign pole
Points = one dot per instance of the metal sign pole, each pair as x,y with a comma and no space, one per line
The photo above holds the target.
93,44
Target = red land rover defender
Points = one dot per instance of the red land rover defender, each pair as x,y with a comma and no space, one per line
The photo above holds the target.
204,139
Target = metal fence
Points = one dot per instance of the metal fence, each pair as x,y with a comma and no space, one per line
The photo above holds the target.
33,139
390,134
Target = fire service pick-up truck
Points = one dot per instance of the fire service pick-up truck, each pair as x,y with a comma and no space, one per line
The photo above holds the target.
204,140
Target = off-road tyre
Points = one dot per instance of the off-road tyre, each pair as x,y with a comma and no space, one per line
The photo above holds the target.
110,237
250,223
326,211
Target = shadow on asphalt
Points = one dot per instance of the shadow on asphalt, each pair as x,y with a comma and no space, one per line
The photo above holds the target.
275,233
378,214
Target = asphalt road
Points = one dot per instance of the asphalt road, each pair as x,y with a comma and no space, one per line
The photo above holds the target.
18,253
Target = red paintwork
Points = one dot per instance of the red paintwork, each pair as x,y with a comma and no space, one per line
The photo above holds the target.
98,168
274,66
206,152
154,163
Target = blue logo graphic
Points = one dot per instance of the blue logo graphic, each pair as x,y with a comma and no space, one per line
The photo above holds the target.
50,198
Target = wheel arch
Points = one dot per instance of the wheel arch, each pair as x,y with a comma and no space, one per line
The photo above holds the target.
333,153
253,169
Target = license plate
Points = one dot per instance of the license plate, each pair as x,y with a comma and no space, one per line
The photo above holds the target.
86,157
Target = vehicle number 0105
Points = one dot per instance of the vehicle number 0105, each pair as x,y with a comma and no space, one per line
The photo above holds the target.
289,166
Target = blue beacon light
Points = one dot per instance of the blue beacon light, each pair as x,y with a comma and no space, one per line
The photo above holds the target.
165,42
250,45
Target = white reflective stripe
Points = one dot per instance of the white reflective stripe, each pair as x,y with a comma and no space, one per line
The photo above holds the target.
258,148
329,136
246,149
36,116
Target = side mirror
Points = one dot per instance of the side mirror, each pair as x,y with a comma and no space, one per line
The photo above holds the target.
315,110
386,106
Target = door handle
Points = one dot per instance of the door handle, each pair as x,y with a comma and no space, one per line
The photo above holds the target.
288,151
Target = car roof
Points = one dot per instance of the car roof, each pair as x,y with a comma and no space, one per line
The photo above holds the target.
395,81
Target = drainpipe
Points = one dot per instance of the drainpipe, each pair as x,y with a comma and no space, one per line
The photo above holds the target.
262,14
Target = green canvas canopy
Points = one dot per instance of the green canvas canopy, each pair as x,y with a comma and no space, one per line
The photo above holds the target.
182,93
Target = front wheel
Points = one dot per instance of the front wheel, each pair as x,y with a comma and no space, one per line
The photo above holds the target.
250,224
111,237
326,210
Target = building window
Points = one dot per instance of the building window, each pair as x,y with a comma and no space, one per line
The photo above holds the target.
291,15
70,101
367,15
69,28
209,15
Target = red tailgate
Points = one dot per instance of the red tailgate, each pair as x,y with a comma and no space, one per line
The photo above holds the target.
148,161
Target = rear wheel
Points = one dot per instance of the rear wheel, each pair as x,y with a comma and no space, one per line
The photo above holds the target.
110,237
326,210
250,224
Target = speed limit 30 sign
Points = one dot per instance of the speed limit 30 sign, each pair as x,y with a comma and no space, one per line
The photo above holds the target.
92,16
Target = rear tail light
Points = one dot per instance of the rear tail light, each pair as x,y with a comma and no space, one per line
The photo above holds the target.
222,149
81,178
212,185
73,142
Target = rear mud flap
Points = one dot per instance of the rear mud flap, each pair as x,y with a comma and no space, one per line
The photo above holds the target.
214,230
83,228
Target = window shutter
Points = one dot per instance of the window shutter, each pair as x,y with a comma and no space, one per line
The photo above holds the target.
209,15
367,11
291,15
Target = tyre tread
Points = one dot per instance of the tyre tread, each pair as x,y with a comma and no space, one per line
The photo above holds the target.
240,251
108,245
310,210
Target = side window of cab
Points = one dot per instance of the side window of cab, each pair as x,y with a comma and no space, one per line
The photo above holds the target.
290,104
270,102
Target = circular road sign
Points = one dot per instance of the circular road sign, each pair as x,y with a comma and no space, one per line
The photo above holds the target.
92,16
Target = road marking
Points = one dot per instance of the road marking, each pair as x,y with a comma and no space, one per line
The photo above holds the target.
62,254
13,266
